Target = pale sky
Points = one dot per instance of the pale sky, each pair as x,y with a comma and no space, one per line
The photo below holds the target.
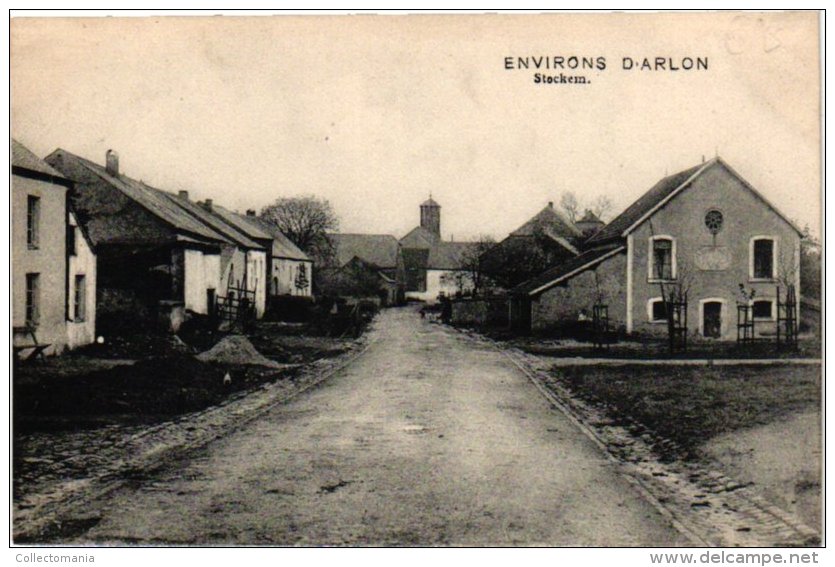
374,113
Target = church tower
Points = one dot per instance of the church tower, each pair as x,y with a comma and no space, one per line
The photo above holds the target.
430,216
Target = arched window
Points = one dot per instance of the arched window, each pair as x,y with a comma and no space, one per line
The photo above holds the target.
662,258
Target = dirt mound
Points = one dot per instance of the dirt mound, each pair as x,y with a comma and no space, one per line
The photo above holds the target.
236,349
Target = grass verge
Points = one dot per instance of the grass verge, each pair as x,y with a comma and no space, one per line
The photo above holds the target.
690,405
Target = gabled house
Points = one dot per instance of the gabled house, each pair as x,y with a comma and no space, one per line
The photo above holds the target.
704,231
53,265
545,240
155,260
378,252
290,271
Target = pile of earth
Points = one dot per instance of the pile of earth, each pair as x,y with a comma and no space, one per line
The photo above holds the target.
237,350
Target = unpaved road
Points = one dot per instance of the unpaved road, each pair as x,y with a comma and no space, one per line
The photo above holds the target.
429,438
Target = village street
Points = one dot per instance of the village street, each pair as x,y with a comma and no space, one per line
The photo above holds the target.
429,438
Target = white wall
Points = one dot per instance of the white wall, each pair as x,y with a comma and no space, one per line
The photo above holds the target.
437,281
284,275
81,332
195,282
211,272
257,279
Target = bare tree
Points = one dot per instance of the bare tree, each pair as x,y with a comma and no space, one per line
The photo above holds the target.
305,220
788,268
571,206
472,262
602,206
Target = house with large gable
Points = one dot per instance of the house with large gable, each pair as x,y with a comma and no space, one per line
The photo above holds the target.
705,230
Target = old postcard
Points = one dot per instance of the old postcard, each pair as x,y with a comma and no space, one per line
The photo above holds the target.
417,280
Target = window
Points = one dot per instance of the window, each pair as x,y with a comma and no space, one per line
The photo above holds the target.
662,261
33,299
714,221
71,245
763,309
763,254
657,310
80,300
33,221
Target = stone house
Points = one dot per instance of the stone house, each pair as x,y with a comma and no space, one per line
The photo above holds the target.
356,254
156,260
53,262
704,230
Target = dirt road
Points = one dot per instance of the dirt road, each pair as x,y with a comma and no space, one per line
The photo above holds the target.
429,438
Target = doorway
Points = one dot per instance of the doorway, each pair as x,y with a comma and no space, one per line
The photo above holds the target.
712,319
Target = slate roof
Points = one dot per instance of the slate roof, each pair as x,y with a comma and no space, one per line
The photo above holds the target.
154,200
576,265
661,190
447,255
214,221
241,222
430,202
551,219
380,250
419,237
283,247
23,158
590,217
261,229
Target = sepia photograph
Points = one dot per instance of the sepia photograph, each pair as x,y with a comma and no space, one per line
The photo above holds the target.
417,280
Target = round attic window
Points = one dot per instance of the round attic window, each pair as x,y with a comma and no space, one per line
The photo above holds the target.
714,221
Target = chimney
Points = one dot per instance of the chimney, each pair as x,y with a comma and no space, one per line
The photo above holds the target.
207,204
111,162
250,212
550,204
183,195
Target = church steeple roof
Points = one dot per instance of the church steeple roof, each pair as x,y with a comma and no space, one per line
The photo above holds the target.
430,202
